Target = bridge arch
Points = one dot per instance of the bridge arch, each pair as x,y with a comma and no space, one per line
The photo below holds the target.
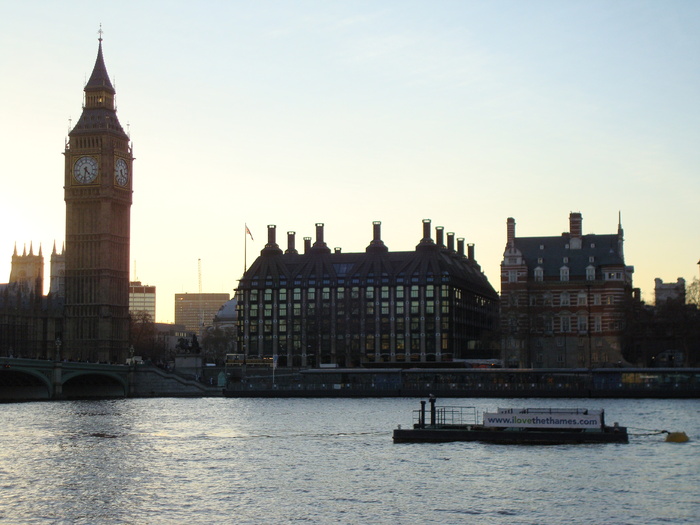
93,384
24,384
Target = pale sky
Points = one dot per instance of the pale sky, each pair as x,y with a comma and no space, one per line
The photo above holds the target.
292,113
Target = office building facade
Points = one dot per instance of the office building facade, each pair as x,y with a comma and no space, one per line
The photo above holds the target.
197,310
373,308
142,298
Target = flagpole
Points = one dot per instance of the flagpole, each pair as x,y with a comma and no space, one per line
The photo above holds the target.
246,232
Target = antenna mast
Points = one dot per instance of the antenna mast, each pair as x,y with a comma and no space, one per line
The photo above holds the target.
201,305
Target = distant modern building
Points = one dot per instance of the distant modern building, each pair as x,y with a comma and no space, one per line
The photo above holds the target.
563,298
195,310
373,308
169,335
142,298
669,291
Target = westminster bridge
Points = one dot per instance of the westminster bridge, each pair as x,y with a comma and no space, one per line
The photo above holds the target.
38,379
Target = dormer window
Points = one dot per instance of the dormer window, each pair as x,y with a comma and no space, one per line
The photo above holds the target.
541,246
540,260
564,273
539,274
590,273
566,260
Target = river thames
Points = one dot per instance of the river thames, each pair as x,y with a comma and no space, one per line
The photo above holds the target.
245,461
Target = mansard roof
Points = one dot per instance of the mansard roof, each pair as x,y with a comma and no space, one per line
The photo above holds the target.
428,264
598,250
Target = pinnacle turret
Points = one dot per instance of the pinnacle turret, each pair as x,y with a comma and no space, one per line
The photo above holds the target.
99,111
99,80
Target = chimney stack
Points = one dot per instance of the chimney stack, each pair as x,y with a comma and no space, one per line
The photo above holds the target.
271,247
451,241
291,237
575,224
271,235
377,245
470,251
460,246
320,245
511,231
307,244
439,240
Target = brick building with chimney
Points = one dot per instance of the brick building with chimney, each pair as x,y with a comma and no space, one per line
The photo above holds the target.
564,298
377,307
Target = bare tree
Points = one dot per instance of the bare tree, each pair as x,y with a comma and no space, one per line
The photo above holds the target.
692,292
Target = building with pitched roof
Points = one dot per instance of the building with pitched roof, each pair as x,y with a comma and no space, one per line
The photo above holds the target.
377,307
564,298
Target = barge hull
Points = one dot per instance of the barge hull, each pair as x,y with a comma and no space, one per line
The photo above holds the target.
517,437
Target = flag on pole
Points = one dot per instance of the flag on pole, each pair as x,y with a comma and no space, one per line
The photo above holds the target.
248,232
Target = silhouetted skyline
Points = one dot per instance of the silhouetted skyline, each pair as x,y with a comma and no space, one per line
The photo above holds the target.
465,113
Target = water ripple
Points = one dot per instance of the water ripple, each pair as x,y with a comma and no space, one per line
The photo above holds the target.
251,461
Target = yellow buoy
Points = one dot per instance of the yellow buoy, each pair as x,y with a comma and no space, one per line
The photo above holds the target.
676,437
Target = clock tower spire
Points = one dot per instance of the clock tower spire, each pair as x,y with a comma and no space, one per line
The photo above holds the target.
98,195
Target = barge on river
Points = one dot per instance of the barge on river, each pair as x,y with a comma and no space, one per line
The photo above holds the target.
538,426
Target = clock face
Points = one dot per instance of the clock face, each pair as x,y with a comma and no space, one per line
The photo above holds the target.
121,172
85,170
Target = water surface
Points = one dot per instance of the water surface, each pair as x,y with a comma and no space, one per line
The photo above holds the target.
203,461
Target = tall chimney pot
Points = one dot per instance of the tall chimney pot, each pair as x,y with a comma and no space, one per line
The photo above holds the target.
291,238
439,232
451,241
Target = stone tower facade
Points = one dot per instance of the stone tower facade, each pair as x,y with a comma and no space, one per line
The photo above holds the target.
57,284
98,195
27,271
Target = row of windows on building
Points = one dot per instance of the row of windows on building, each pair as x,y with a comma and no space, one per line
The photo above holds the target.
567,323
564,274
562,299
596,357
369,343
355,301
354,292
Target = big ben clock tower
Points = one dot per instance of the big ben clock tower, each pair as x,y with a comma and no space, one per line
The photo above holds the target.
97,190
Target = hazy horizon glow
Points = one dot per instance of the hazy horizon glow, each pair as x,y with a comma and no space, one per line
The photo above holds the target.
293,113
